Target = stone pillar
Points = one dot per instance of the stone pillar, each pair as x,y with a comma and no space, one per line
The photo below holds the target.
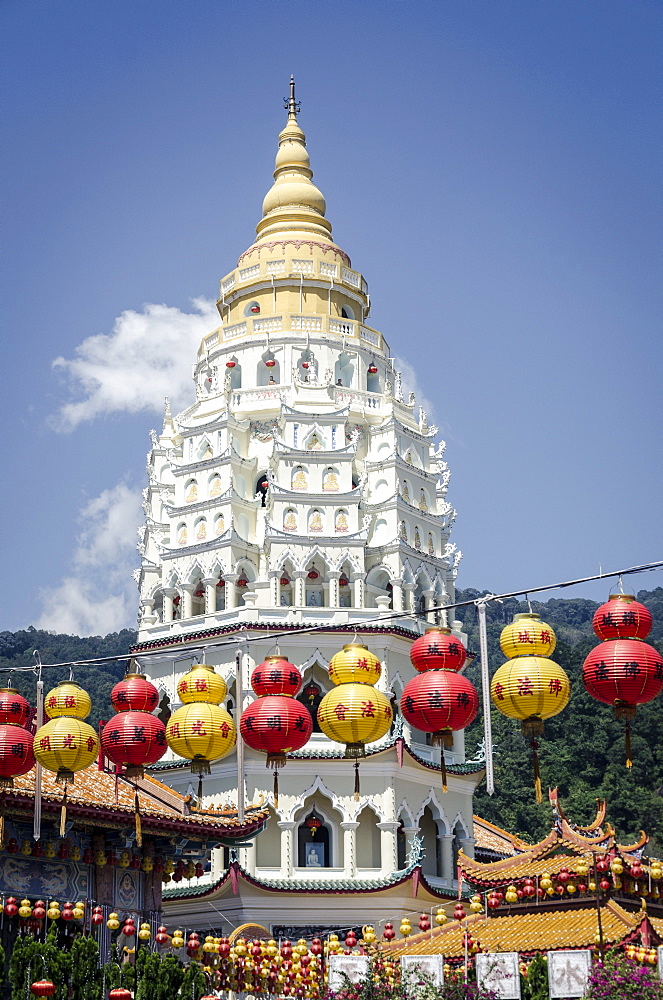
349,848
428,598
388,846
397,594
288,860
334,599
467,846
231,590
358,587
300,588
447,844
188,589
168,594
147,612
210,594
383,603
409,597
249,860
275,588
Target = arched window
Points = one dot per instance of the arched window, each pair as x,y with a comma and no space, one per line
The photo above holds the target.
181,534
268,844
401,846
235,369
201,529
313,842
262,486
269,371
344,371
428,831
330,480
341,521
347,312
299,480
252,309
368,839
219,525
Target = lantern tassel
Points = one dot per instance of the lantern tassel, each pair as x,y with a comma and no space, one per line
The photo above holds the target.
443,768
2,819
629,759
357,779
200,790
276,788
63,813
139,825
537,772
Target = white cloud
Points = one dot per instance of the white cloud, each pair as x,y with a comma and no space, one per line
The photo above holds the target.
99,595
147,356
411,384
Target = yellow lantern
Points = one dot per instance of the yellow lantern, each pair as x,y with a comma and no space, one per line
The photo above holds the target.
25,909
656,870
144,933
530,687
50,849
124,860
66,744
201,731
76,854
476,905
79,911
26,848
354,712
354,663
527,635
440,917
202,684
177,941
113,922
405,927
53,911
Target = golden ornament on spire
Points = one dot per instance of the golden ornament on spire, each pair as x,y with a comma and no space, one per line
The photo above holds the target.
293,203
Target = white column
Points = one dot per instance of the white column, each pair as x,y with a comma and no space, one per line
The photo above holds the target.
334,589
147,612
188,589
168,594
428,598
300,588
388,847
410,833
349,848
358,585
231,590
287,828
275,587
447,843
409,597
467,846
397,594
210,594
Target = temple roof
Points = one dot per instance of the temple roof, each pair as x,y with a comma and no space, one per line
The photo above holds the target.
563,847
332,885
566,927
96,797
491,839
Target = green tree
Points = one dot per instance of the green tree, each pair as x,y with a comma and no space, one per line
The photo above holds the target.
85,974
534,986
193,984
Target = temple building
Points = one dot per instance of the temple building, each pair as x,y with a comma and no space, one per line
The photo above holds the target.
302,499
577,888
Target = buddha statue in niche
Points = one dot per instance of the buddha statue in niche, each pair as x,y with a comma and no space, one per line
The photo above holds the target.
299,479
330,481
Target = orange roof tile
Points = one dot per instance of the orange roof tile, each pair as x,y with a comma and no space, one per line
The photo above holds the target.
492,838
524,932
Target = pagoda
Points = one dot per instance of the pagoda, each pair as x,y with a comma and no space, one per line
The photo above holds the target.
301,498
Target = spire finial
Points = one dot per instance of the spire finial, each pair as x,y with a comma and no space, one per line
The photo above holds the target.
292,106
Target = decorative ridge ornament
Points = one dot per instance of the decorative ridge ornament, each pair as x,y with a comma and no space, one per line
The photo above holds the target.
623,670
530,687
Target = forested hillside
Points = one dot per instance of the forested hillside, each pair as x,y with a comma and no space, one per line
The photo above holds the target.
582,750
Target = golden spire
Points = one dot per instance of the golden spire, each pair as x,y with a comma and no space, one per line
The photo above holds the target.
293,203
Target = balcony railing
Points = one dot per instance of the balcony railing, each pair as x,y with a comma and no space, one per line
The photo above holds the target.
297,323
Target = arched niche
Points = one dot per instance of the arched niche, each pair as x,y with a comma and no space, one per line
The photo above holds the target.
269,370
344,370
368,839
268,844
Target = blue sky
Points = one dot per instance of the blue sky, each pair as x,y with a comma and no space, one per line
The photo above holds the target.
493,168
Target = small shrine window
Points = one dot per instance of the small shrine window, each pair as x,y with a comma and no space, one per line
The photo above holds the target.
311,697
313,842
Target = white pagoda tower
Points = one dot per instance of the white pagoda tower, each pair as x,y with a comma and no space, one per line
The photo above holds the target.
301,496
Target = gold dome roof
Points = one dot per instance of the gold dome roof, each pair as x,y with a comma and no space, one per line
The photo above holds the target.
293,203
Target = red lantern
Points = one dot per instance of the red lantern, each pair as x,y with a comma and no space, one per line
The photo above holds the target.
221,583
134,693
276,676
43,988
119,993
350,940
623,673
11,909
230,364
372,369
129,927
424,922
134,740
304,364
343,581
313,823
284,581
14,709
276,723
389,933
199,593
437,649
439,702
270,362
242,582
88,856
459,912
39,912
97,918
16,756
313,574
255,309
622,617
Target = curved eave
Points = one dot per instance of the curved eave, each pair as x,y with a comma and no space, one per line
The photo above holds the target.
329,887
